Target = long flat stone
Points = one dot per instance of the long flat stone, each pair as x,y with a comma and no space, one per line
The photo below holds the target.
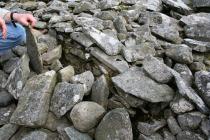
135,82
33,104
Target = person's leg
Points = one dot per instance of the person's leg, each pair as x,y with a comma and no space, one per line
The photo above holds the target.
15,36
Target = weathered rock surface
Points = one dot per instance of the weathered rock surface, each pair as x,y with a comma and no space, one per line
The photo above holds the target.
121,126
86,78
33,105
65,96
7,131
73,134
135,82
5,114
86,115
157,70
18,77
173,125
5,98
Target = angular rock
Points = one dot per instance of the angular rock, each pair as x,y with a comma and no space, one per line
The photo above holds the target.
120,124
41,25
165,27
82,39
100,91
108,44
56,65
53,123
57,6
202,79
135,82
198,32
70,133
63,18
188,135
7,131
5,98
185,72
107,4
5,113
116,63
30,5
86,115
199,46
65,97
150,128
173,125
196,19
155,136
33,105
120,24
129,2
64,27
157,70
65,74
189,122
18,77
181,105
52,55
10,65
179,6
180,53
84,6
197,66
137,53
201,3
90,22
85,78
189,92
155,5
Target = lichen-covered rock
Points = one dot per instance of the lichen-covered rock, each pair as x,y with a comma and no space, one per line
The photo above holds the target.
201,3
108,44
65,74
180,53
106,4
120,124
65,97
155,136
86,115
188,135
82,39
157,70
6,113
173,125
135,82
18,77
154,5
86,78
199,46
33,105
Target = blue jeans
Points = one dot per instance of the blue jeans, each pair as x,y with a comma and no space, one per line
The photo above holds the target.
15,36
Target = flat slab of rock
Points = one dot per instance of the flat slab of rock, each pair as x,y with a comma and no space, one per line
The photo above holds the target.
65,97
154,5
107,4
86,115
108,44
194,19
18,77
91,22
116,63
178,5
33,105
199,46
135,82
201,3
82,39
157,70
72,134
116,124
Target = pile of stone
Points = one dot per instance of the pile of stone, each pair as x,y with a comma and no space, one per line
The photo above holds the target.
112,70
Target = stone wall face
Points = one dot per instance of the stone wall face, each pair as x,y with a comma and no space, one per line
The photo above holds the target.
108,70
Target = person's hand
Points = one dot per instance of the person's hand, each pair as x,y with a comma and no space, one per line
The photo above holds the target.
3,28
25,19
